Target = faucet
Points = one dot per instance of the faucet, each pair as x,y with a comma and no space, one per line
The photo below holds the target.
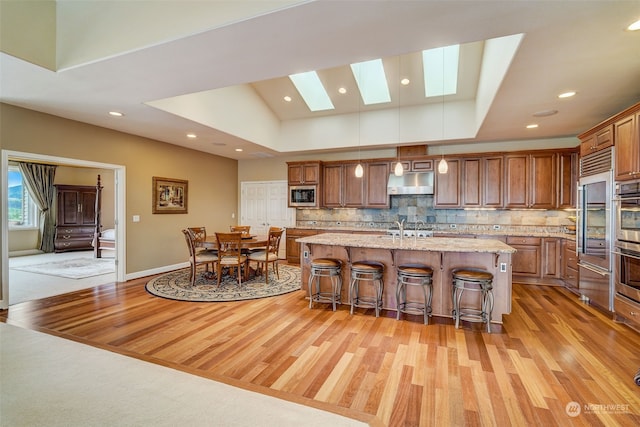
401,227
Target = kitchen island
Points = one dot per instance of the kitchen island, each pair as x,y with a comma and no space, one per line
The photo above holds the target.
442,254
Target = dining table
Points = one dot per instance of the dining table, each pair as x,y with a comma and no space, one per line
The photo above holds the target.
249,242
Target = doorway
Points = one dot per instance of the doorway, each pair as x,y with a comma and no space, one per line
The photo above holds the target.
119,186
264,204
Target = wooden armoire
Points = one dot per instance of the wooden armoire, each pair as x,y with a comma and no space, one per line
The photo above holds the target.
76,217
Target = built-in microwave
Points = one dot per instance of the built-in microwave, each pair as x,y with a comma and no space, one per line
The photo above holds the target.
628,211
303,196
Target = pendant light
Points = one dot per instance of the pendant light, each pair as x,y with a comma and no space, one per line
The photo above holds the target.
359,169
399,170
443,167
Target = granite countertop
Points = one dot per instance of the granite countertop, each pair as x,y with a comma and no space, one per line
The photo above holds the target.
431,244
450,231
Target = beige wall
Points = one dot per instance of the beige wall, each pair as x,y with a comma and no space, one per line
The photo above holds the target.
156,240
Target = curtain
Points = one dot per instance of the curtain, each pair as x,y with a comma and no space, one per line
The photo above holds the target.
39,181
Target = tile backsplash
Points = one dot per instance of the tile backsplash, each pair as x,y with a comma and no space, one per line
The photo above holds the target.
420,208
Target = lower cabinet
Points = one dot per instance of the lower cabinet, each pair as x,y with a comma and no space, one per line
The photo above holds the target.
627,311
537,260
570,264
293,247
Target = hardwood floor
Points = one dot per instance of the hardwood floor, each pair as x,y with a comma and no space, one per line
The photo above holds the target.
552,350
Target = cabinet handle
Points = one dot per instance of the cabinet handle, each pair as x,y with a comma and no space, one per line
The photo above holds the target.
633,313
66,237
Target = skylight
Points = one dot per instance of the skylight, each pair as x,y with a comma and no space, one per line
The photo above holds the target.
312,91
440,68
371,81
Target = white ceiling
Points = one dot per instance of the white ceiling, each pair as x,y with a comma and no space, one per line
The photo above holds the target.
219,69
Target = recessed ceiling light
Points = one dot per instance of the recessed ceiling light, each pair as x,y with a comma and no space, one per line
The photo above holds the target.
192,135
238,149
567,94
545,113
532,126
635,26
342,90
405,81
116,113
287,98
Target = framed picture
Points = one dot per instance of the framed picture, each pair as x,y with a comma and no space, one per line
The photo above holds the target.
170,195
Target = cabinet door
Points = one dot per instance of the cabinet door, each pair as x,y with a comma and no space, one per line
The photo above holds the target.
303,173
471,183
332,186
543,183
626,149
448,186
69,206
526,261
568,179
376,177
492,181
87,208
353,195
516,182
311,173
551,265
295,174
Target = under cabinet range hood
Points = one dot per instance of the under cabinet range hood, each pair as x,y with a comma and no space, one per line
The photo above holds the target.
410,183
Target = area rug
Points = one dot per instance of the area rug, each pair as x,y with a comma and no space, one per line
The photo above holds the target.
78,268
177,286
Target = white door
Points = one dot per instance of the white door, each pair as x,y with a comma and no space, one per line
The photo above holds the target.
264,205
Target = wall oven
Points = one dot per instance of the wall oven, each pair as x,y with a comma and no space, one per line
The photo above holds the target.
303,196
594,230
627,280
628,211
627,248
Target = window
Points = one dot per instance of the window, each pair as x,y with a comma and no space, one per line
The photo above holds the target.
23,213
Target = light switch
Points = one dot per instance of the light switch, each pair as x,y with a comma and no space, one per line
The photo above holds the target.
136,218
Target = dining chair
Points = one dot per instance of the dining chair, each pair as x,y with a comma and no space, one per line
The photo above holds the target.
197,258
230,254
244,229
270,254
199,236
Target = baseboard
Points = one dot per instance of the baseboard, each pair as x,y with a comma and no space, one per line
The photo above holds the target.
13,254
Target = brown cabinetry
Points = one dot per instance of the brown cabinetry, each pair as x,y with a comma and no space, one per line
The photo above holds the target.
340,186
570,264
342,189
76,217
527,260
627,311
304,173
567,179
447,191
530,180
376,176
627,134
293,248
597,141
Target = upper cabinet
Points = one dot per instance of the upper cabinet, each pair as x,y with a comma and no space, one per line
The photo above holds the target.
567,179
304,173
447,191
342,189
597,141
627,163
530,180
623,132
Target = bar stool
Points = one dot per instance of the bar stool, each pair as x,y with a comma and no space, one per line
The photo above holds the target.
366,271
414,275
325,267
473,280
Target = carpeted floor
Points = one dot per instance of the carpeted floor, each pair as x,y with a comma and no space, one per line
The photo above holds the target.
50,381
77,268
176,285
